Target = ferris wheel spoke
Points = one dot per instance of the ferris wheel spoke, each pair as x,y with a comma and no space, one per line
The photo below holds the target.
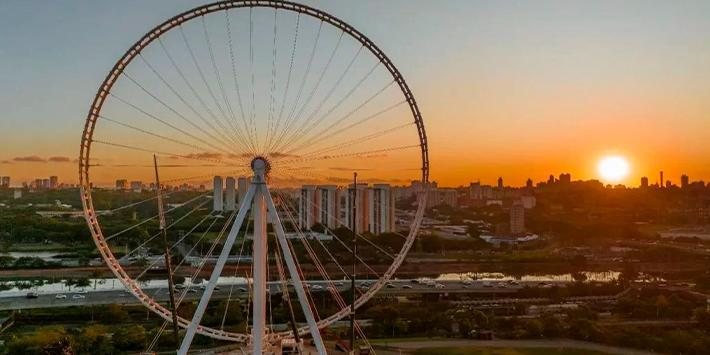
151,218
247,130
272,87
288,77
308,124
288,131
161,257
172,126
148,132
358,140
182,99
218,121
321,135
349,154
291,113
176,112
217,75
192,156
236,271
252,115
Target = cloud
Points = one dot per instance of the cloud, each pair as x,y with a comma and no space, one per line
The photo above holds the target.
338,168
204,155
59,159
30,159
5,162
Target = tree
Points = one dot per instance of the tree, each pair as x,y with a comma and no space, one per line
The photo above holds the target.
130,337
661,303
115,313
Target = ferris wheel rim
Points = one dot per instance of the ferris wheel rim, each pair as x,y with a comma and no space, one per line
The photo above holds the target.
134,51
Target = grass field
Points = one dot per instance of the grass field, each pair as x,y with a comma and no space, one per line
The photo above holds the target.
504,351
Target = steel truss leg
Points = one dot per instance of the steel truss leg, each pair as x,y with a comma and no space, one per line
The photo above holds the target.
293,271
221,261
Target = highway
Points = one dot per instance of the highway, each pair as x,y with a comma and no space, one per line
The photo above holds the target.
394,287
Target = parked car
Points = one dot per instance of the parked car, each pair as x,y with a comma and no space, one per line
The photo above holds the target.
60,296
32,295
78,297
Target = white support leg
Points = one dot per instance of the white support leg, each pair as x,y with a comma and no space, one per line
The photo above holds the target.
293,271
226,249
259,257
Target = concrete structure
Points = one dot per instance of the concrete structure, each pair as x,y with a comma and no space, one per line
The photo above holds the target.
500,182
529,202
381,209
328,202
307,207
242,187
230,195
136,186
360,202
121,184
217,195
644,182
517,218
5,181
53,182
449,197
684,181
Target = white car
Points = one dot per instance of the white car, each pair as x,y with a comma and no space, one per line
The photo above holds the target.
407,286
78,297
82,292
439,286
60,296
317,287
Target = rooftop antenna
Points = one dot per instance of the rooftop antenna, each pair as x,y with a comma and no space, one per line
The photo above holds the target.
168,262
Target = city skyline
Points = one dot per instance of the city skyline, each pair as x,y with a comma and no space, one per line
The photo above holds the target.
576,96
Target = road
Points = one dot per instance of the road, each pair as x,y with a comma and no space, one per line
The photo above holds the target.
120,296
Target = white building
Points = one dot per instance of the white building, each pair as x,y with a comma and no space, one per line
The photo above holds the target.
136,186
230,195
328,203
307,207
362,208
217,198
517,218
381,209
242,187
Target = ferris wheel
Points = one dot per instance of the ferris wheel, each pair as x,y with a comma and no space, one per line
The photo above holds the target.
289,100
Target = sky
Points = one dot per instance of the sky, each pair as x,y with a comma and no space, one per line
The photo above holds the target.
515,89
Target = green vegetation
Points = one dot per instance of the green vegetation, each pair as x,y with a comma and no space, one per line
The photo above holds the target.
504,351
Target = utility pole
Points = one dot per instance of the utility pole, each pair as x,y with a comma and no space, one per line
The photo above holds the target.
354,256
168,261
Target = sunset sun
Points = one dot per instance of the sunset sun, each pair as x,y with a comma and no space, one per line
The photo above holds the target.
613,168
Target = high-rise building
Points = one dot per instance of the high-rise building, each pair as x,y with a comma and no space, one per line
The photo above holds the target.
661,182
328,202
5,181
307,207
381,209
475,192
684,181
230,198
53,182
360,202
242,187
449,197
137,186
517,218
529,183
500,182
565,178
121,184
644,182
551,179
217,198
45,183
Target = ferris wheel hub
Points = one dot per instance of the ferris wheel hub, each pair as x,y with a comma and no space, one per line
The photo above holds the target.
260,165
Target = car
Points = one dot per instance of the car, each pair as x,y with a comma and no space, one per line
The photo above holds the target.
32,295
391,285
179,286
339,284
60,296
78,296
466,282
439,286
82,292
407,286
192,290
242,289
216,288
317,287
